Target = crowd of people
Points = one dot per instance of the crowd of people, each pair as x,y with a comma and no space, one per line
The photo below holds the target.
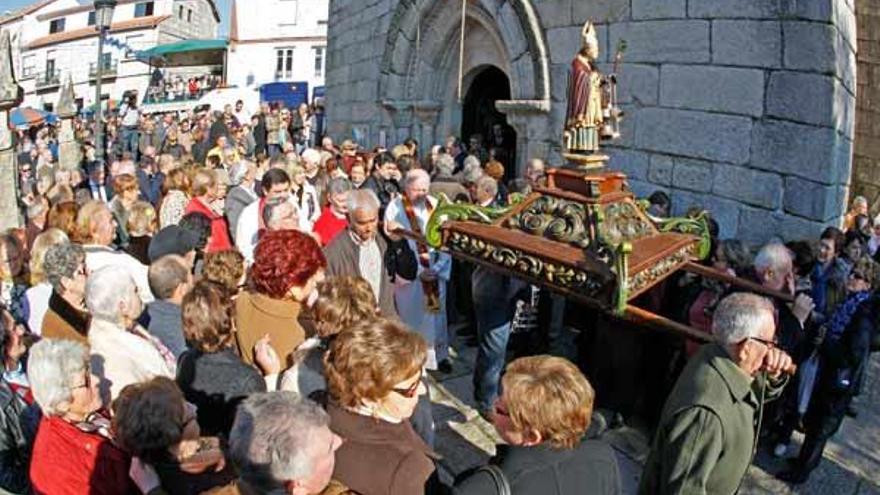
226,306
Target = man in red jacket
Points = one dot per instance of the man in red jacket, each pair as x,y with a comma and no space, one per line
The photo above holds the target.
204,187
333,219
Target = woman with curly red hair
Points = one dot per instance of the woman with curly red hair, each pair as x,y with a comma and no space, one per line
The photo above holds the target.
288,266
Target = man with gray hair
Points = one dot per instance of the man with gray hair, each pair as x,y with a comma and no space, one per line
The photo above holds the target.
333,219
360,251
242,176
281,443
421,303
280,213
170,279
444,182
775,271
709,425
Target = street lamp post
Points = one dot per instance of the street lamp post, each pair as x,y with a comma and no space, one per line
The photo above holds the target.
103,19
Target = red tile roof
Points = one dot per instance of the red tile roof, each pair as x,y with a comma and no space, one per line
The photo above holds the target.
76,34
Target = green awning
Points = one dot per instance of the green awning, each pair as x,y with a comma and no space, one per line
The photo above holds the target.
185,53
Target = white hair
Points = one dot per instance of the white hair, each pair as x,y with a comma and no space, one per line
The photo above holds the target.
362,199
773,256
415,175
740,316
106,288
444,165
237,172
471,161
271,439
311,155
54,366
487,185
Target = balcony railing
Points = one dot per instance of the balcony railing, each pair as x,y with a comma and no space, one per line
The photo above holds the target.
107,69
48,79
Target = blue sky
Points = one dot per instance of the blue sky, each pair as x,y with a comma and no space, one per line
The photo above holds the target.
222,6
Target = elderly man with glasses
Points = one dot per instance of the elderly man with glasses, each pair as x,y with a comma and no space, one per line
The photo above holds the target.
709,426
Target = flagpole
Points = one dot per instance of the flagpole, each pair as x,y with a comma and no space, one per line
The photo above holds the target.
461,50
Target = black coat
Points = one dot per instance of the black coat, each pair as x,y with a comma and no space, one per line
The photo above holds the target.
216,383
18,427
589,468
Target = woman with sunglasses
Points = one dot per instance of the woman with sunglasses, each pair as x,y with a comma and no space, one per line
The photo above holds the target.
543,415
374,376
843,353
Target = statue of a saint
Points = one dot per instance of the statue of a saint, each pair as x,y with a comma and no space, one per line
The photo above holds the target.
584,118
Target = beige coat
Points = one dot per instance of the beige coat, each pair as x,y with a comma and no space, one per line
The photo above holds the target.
120,358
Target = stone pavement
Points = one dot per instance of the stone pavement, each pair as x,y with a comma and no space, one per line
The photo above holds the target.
851,465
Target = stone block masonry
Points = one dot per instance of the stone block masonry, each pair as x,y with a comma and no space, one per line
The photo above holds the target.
866,153
746,107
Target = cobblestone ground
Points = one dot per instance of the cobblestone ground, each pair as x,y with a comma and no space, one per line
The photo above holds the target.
851,465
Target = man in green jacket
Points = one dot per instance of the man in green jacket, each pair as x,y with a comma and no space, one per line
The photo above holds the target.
708,429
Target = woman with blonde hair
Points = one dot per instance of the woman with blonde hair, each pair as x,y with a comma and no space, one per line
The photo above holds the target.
126,193
62,216
41,290
175,196
226,268
141,227
543,415
342,303
374,376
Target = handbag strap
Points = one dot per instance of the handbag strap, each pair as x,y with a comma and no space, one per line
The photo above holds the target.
497,475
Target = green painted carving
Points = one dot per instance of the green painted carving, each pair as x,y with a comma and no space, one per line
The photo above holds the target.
696,226
447,211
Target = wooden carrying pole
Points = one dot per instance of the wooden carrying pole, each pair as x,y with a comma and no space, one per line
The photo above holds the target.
737,282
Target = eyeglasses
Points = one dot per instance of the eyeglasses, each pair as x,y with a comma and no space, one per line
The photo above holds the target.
410,391
772,344
86,384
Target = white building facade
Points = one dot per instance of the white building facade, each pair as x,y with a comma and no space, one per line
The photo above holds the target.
54,39
278,41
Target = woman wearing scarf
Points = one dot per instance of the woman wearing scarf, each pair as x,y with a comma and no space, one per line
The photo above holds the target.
73,451
829,274
842,354
122,351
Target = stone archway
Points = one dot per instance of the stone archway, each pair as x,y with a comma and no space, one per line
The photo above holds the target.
418,84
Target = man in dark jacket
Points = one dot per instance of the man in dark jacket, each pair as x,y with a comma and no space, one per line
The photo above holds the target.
383,181
170,279
360,251
708,428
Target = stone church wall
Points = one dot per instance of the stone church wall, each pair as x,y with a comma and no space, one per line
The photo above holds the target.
745,107
866,155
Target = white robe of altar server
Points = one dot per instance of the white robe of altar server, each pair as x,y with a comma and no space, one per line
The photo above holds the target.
409,296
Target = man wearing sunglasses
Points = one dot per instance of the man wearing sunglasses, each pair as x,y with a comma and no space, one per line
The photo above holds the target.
708,428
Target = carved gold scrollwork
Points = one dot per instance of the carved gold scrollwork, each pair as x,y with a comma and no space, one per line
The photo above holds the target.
532,266
660,269
623,223
555,219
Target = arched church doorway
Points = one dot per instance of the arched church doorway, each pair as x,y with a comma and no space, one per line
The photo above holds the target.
484,130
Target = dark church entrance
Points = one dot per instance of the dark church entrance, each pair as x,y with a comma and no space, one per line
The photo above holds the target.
484,129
